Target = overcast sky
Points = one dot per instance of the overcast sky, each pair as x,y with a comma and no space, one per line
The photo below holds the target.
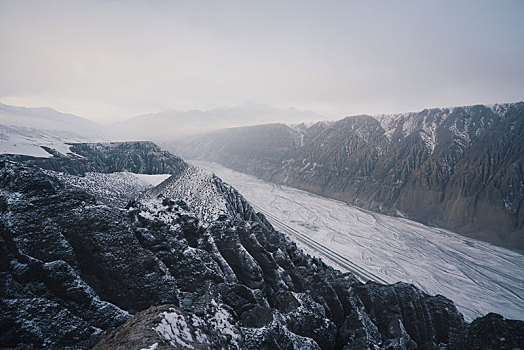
111,60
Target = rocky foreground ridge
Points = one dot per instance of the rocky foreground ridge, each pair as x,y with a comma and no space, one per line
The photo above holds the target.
190,264
459,168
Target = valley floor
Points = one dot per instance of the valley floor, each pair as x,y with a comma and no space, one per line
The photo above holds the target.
478,276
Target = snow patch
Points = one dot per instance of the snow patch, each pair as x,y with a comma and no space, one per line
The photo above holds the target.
183,331
304,126
152,347
428,134
174,329
462,136
220,321
499,109
113,188
155,209
29,141
153,180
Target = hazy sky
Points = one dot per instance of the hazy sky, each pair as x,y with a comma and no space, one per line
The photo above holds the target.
110,60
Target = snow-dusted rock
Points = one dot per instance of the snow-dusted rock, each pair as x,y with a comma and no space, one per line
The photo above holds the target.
73,267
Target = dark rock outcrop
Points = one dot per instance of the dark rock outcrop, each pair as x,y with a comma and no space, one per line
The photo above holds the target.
140,157
490,332
67,262
458,168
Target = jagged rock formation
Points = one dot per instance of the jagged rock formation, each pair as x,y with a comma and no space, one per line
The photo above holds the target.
73,267
480,334
66,263
136,157
459,168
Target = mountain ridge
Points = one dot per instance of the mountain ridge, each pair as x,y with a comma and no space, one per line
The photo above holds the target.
458,168
48,119
156,126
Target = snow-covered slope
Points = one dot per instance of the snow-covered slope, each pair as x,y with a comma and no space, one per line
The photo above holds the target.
205,194
478,276
114,188
31,141
196,187
27,131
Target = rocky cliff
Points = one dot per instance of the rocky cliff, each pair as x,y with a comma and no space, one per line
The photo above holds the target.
140,157
458,168
198,268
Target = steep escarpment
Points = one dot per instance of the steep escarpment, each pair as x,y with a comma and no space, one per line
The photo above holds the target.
459,168
106,157
73,268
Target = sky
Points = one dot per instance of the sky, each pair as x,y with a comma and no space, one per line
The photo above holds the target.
110,60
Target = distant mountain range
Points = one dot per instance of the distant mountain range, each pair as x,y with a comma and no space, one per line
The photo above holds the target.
48,119
460,168
33,131
166,125
160,127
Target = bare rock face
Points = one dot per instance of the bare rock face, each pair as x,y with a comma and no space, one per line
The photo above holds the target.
65,263
490,332
165,273
458,168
